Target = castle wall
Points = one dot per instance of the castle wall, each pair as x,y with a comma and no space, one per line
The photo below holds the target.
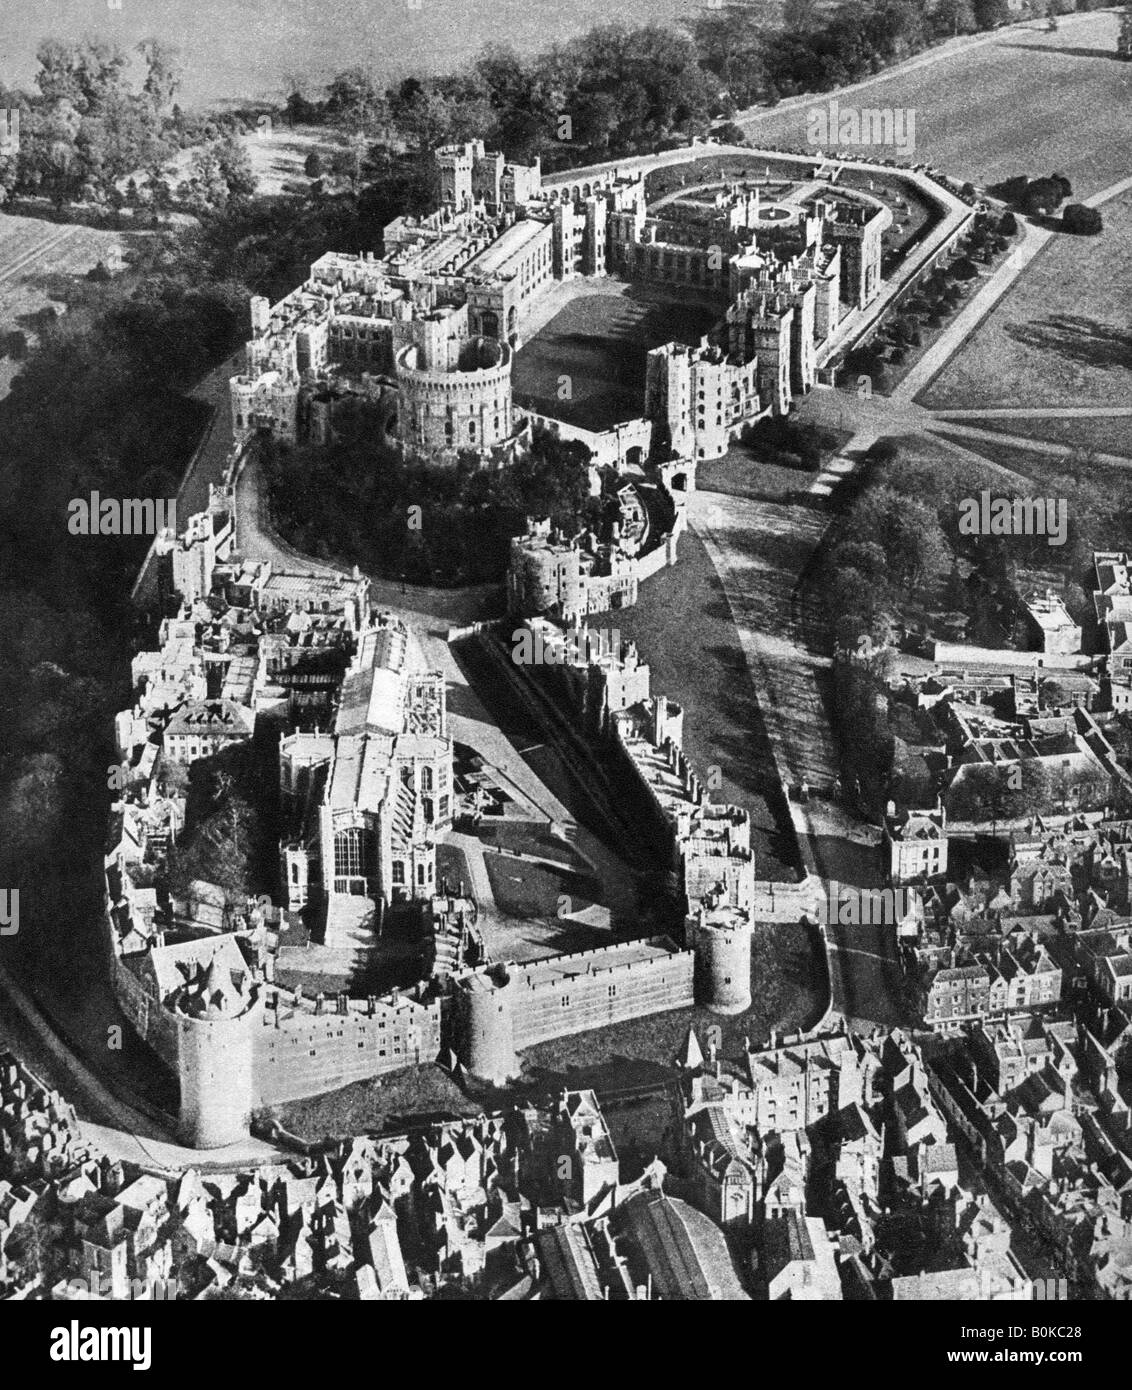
309,1053
152,1023
596,993
627,443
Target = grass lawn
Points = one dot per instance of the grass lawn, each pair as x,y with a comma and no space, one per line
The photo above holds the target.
534,890
384,1104
452,866
530,837
1012,456
1107,436
741,473
1058,337
1028,102
600,343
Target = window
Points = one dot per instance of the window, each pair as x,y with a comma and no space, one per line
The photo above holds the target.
398,871
352,851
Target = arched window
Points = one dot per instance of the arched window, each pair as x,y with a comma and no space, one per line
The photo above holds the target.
353,852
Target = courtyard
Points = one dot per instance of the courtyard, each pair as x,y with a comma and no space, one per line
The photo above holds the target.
586,365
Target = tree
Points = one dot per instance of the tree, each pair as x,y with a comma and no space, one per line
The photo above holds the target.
729,39
163,72
312,165
908,328
1078,218
730,134
1042,196
354,101
236,167
799,16
83,73
954,17
989,14
221,173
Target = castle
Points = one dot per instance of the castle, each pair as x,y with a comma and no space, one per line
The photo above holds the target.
365,774
428,333
365,801
429,330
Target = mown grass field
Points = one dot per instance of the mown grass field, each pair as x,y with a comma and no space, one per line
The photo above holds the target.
33,254
1025,102
1060,336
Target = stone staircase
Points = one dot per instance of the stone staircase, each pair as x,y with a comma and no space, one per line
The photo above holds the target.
350,921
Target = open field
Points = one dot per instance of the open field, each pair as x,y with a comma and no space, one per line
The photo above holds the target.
1042,469
1111,435
600,342
277,151
1027,102
31,253
1059,336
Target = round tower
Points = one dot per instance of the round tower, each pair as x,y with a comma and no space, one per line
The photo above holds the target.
214,1064
486,1025
216,1013
451,406
722,945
